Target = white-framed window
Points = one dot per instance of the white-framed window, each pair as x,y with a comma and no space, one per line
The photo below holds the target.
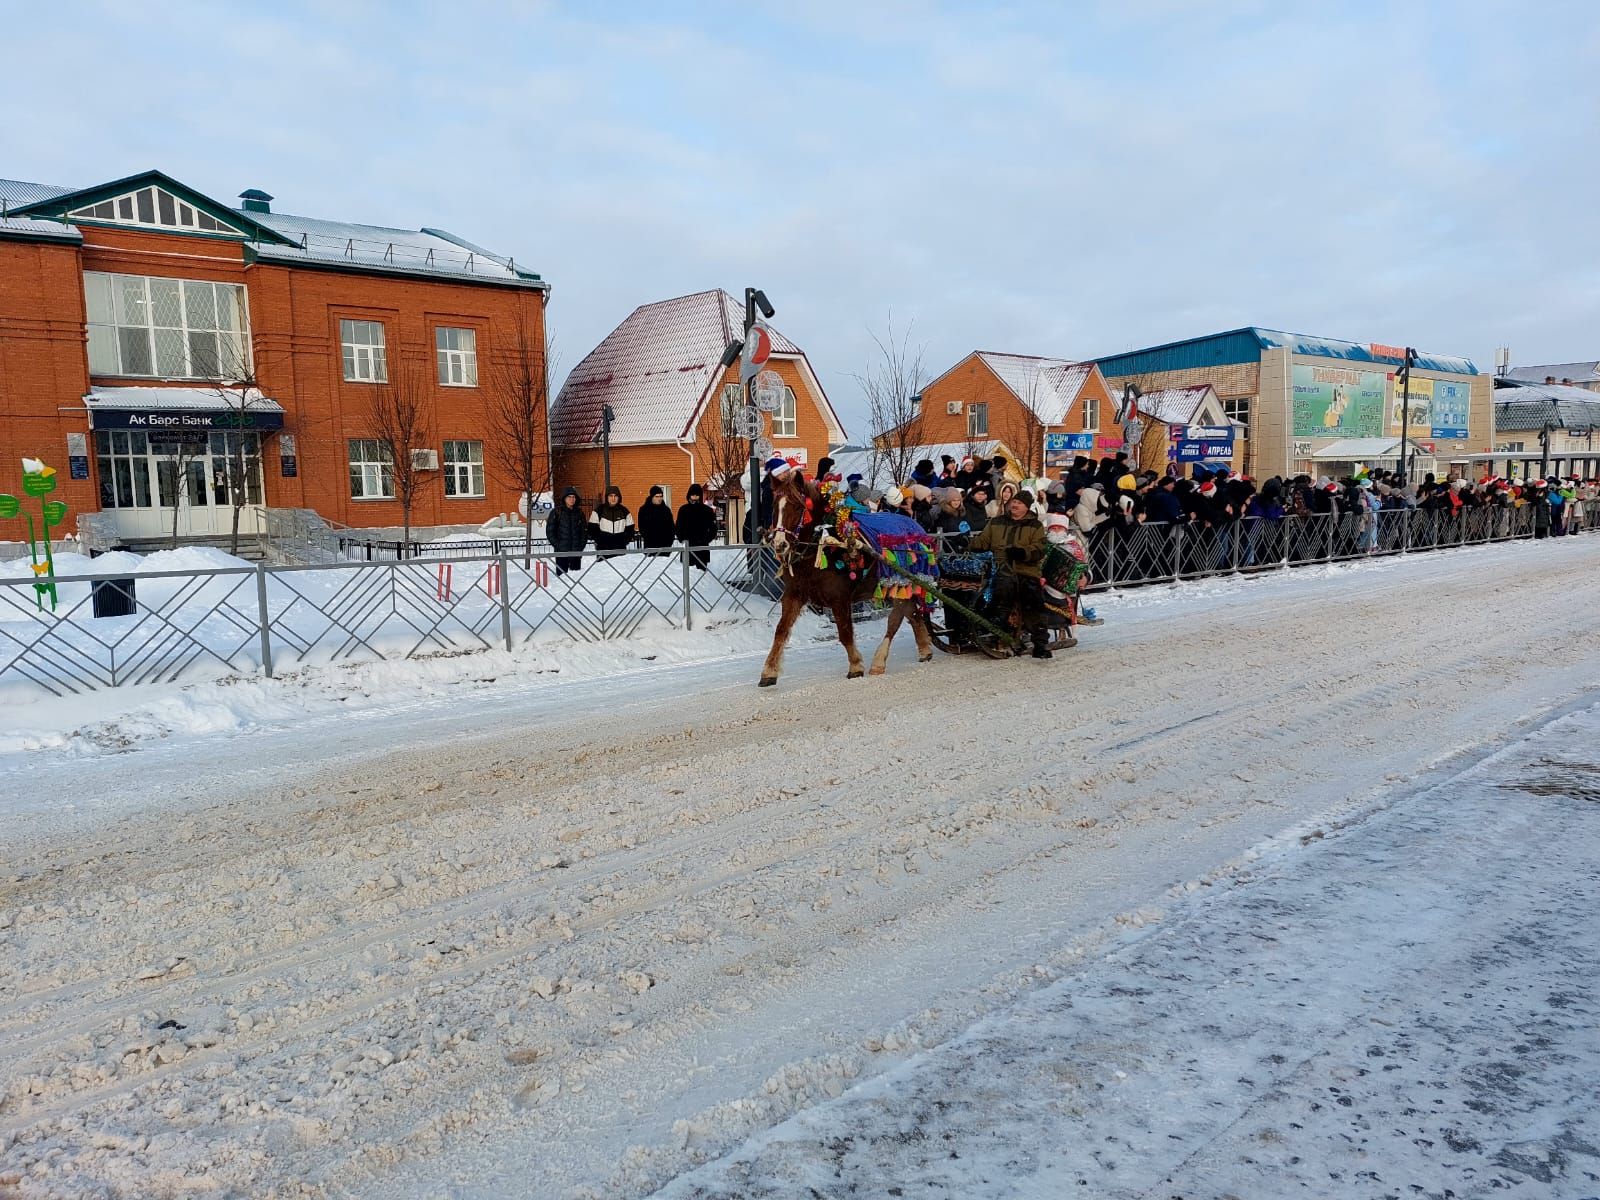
784,421
365,359
157,208
371,470
160,328
1237,408
458,356
732,405
977,420
1091,413
124,468
463,469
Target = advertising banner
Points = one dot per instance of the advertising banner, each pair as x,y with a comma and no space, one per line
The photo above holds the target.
1201,443
1337,402
1061,448
1421,412
1452,404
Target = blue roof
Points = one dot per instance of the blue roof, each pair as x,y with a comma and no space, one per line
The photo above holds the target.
1246,344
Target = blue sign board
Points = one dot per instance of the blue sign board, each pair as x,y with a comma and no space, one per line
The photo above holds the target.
1451,404
1067,443
1201,443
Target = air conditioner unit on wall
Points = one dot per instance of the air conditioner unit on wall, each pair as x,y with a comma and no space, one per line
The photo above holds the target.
424,460
952,408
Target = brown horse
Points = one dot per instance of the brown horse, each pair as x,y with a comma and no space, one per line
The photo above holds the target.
799,531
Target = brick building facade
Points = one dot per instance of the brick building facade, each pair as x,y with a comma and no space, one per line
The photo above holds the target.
153,342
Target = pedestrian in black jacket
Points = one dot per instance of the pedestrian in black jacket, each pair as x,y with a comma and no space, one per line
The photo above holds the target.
655,522
567,531
697,527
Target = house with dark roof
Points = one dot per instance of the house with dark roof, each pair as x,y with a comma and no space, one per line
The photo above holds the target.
171,354
1584,375
1321,405
675,409
1528,413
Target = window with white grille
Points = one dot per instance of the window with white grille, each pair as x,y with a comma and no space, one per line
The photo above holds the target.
159,328
1091,412
365,359
463,469
977,420
784,421
1237,408
154,207
371,470
458,357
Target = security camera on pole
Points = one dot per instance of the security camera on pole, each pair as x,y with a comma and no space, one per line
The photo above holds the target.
751,354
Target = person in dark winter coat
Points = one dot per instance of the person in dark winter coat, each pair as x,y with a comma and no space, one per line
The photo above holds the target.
611,524
567,531
1161,502
977,507
924,474
696,527
655,522
1016,539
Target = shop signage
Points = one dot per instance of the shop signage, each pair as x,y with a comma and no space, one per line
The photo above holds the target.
1419,410
1202,433
77,466
1064,443
1452,404
1187,451
1337,402
186,420
1379,350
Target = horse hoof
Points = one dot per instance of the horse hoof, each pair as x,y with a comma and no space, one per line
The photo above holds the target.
854,674
766,682
925,658
876,671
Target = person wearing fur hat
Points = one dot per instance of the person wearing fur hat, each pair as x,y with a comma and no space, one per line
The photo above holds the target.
567,531
611,524
1016,539
696,526
655,522
922,505
949,519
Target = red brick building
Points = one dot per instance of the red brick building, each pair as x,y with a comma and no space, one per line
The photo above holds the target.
1017,399
673,403
133,314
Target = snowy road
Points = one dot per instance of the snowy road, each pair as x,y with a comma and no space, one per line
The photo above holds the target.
570,940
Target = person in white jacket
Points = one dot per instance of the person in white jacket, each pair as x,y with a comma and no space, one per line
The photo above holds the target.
1091,511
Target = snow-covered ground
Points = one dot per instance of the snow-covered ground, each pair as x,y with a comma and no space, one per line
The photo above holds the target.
1408,1005
550,937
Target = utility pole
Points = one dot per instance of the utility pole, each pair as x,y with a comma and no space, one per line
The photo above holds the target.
1405,416
754,299
607,415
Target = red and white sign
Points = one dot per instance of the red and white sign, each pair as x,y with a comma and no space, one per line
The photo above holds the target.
757,349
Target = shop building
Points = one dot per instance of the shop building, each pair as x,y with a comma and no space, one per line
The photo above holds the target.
675,409
1321,406
172,355
1543,428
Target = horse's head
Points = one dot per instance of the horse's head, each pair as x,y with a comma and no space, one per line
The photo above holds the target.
794,503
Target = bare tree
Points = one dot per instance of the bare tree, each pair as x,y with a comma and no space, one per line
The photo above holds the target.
720,449
240,393
397,411
1024,430
518,419
893,386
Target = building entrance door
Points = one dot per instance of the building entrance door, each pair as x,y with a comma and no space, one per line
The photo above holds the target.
189,488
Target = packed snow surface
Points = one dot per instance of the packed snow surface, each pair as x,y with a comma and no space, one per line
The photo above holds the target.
576,938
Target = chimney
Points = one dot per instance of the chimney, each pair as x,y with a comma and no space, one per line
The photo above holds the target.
255,200
1549,378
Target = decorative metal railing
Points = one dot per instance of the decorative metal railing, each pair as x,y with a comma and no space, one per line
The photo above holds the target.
114,629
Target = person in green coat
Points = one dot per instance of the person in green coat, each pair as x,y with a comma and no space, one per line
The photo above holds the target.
1016,539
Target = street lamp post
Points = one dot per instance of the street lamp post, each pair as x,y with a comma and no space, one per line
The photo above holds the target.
607,415
1405,415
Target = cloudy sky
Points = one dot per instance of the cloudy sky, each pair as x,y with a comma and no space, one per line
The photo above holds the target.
1069,179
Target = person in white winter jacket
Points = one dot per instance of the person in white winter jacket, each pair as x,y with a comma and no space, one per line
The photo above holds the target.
1091,510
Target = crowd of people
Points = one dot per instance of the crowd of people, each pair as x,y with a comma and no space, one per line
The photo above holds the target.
612,529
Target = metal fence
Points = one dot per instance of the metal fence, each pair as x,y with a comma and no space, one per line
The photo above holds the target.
160,626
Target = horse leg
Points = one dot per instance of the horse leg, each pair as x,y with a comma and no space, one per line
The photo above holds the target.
846,626
792,605
919,627
880,660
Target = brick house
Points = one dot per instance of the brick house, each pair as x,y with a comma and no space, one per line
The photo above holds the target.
1016,399
127,308
660,372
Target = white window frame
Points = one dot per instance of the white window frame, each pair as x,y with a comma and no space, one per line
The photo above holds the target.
786,421
371,469
976,410
363,361
126,210
458,362
113,335
1091,414
1237,408
463,476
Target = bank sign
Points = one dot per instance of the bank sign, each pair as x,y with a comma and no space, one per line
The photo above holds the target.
1201,443
182,421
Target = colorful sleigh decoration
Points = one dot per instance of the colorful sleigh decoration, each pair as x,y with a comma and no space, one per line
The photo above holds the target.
908,556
